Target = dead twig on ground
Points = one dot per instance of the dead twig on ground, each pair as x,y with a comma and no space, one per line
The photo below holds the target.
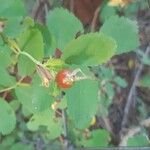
131,93
94,21
131,132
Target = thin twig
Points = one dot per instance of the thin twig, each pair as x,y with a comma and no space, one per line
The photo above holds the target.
31,58
64,121
12,87
131,132
148,3
132,91
94,21
34,9
41,9
72,6
66,143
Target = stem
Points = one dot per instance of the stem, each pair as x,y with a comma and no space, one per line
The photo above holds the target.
94,21
11,87
31,58
10,43
65,122
83,78
15,48
132,91
64,117
148,3
132,131
8,89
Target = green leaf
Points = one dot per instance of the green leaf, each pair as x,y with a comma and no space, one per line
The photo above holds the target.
99,138
7,118
5,58
82,102
144,58
120,81
106,73
124,31
25,111
145,81
63,25
63,103
106,12
89,49
46,118
21,146
31,41
28,21
34,98
12,8
131,9
8,140
11,23
48,39
15,104
138,141
109,90
13,11
104,103
5,79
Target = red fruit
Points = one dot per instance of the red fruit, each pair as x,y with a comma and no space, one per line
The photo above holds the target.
64,79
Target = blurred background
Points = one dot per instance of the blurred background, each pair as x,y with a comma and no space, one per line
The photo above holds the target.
93,13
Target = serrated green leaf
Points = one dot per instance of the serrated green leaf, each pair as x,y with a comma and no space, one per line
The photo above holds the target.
89,49
124,31
12,8
35,98
13,11
106,12
11,23
7,118
46,118
99,138
138,141
48,39
63,25
31,41
82,102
